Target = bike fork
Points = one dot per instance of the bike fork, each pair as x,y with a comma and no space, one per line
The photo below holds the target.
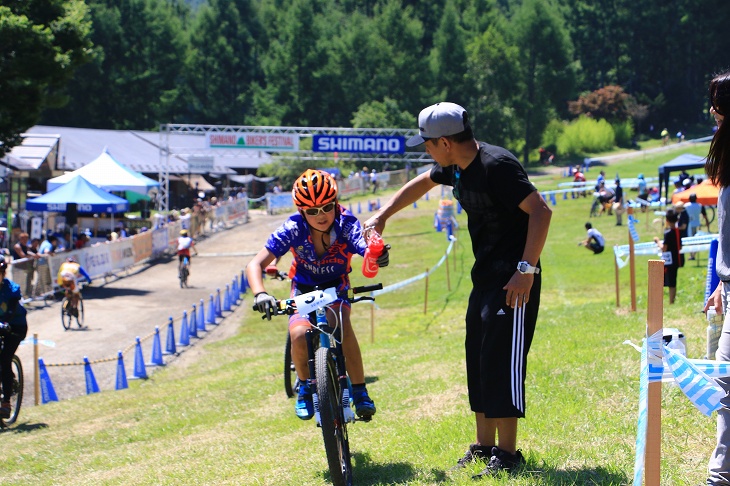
312,380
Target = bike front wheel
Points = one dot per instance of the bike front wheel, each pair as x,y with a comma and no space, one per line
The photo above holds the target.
334,428
289,372
65,315
17,397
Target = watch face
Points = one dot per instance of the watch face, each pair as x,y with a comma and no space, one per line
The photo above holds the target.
522,267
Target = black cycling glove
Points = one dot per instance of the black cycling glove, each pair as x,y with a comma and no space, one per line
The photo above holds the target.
384,259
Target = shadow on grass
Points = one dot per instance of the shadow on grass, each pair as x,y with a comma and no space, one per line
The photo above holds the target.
365,471
22,428
588,476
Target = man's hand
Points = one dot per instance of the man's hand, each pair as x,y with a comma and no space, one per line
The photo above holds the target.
384,259
264,303
518,289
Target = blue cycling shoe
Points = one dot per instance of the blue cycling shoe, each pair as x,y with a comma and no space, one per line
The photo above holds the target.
304,406
364,406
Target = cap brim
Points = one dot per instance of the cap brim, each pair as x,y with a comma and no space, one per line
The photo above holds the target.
415,140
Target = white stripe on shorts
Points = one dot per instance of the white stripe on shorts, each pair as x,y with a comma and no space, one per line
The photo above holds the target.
518,347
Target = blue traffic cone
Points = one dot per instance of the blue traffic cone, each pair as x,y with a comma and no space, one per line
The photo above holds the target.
244,282
218,310
552,199
48,393
192,323
170,344
184,331
210,317
350,208
91,385
156,358
234,292
565,196
121,373
140,371
201,317
378,207
358,208
426,196
415,206
227,300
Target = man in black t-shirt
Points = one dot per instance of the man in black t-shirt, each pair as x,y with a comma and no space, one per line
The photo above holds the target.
508,222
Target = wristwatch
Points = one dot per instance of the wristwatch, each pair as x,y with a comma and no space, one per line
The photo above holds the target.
525,267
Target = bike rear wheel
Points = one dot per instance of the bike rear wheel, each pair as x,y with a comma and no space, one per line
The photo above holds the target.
183,276
80,314
17,397
334,428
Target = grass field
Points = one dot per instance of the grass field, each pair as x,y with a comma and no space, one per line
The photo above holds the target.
224,418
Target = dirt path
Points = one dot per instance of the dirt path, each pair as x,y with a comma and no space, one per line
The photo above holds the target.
124,308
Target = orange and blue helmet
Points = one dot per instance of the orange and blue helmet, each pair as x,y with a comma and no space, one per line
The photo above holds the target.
314,188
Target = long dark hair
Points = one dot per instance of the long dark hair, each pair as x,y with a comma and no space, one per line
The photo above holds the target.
718,158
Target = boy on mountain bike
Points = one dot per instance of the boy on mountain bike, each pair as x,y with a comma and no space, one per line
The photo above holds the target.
13,313
323,236
68,278
184,243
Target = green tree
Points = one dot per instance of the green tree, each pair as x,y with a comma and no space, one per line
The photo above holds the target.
133,81
448,57
382,114
546,70
42,42
222,65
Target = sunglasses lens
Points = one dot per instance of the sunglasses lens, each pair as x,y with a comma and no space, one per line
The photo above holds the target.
324,209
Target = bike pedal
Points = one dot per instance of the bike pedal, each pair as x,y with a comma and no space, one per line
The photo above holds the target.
364,419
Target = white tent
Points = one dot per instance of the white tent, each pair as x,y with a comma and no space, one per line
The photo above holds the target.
107,173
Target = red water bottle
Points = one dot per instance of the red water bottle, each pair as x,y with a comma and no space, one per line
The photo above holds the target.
375,249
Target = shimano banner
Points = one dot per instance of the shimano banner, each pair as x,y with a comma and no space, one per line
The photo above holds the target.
359,143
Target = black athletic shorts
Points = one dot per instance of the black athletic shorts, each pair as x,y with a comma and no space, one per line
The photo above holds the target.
498,339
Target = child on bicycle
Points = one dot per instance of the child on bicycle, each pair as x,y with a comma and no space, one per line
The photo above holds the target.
323,236
13,313
184,243
68,278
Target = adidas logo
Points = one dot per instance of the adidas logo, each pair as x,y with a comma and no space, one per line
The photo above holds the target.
501,312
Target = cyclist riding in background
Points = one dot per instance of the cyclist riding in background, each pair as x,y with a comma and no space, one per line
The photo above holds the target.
184,243
68,278
13,313
323,236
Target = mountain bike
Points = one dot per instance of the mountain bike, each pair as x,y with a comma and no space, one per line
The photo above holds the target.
327,372
17,397
184,271
70,312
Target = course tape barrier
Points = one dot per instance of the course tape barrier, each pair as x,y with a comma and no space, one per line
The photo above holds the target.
690,244
403,283
694,377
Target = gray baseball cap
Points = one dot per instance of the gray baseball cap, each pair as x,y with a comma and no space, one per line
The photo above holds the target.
439,120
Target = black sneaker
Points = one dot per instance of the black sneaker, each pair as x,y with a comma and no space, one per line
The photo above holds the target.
502,461
475,453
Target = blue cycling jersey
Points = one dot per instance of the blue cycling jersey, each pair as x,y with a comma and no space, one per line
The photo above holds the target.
346,239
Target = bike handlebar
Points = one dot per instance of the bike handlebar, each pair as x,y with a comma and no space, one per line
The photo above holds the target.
289,306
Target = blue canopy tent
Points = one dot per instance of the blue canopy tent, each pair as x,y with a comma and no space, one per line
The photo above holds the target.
87,197
682,162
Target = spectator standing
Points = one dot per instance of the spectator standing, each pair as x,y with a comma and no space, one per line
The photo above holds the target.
717,168
49,245
618,202
670,247
682,218
22,251
374,180
579,180
508,224
693,210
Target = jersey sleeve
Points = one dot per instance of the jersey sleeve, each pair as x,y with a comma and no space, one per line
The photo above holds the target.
352,233
284,237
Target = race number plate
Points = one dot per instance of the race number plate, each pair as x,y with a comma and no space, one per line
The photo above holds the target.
311,301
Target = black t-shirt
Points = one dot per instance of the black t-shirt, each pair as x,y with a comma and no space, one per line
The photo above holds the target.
490,190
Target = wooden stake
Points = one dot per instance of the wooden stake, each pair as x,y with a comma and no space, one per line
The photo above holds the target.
632,266
654,323
448,280
616,271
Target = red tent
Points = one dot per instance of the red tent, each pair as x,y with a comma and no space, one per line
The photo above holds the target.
706,194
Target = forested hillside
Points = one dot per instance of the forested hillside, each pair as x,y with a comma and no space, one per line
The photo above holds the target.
514,64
